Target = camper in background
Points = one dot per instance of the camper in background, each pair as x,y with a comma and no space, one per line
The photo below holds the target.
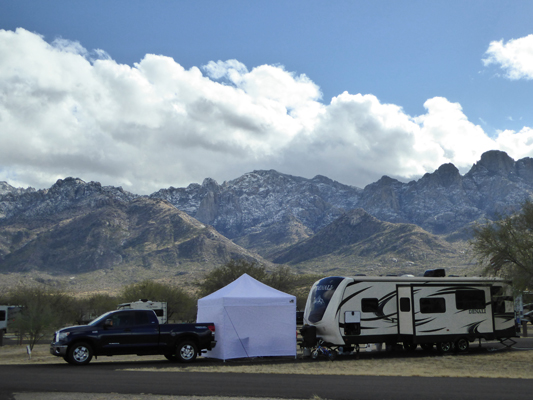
3,319
159,307
7,316
446,312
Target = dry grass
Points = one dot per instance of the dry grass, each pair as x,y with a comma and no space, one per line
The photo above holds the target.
503,364
499,364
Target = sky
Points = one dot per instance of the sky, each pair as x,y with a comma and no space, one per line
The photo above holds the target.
152,94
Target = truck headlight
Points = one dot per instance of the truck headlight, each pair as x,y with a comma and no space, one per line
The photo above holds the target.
61,336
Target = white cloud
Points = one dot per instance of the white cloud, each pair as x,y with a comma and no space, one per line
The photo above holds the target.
66,111
515,57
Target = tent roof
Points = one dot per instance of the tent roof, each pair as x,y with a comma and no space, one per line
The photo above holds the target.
246,287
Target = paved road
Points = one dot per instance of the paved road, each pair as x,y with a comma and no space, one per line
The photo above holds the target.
104,378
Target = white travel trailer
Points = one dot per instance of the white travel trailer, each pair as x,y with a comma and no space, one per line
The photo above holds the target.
449,312
159,307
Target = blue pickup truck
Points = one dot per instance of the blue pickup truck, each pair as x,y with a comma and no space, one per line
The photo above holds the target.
132,332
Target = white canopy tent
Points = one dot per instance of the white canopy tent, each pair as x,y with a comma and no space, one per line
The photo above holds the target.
251,320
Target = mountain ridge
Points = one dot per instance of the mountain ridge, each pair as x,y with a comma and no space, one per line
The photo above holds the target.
264,216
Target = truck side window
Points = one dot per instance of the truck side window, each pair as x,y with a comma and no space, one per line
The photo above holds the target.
432,305
142,318
369,305
123,319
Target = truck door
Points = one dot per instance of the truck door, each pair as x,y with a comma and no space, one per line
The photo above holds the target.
405,310
116,339
145,333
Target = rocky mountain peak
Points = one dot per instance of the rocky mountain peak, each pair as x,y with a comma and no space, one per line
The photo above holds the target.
210,184
445,176
65,194
493,162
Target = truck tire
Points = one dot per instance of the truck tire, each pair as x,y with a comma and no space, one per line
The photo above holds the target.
186,351
80,354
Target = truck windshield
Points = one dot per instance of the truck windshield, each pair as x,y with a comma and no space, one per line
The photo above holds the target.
321,295
100,319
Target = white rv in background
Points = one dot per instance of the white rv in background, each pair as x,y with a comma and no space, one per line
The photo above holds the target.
159,307
8,315
3,318
447,312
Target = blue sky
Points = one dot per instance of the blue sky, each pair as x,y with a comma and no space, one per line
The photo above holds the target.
408,80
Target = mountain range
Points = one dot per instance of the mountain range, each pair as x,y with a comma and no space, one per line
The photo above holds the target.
88,236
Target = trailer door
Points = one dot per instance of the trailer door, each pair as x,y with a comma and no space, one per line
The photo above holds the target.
405,310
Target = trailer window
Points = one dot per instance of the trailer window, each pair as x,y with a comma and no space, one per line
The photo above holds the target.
405,304
498,300
470,299
2,315
321,295
369,305
432,305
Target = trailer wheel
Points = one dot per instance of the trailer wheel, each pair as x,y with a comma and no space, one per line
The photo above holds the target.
80,354
445,347
462,345
427,346
410,347
186,351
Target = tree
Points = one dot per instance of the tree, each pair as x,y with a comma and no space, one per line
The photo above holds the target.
42,311
282,278
227,273
87,308
181,306
505,247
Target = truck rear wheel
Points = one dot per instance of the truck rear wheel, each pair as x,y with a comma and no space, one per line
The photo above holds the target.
186,351
80,354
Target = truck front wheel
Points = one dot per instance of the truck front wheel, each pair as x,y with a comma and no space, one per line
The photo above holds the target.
80,354
186,351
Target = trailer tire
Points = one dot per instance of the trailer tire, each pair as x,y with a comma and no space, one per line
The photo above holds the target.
445,347
186,351
79,354
409,346
462,345
427,346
